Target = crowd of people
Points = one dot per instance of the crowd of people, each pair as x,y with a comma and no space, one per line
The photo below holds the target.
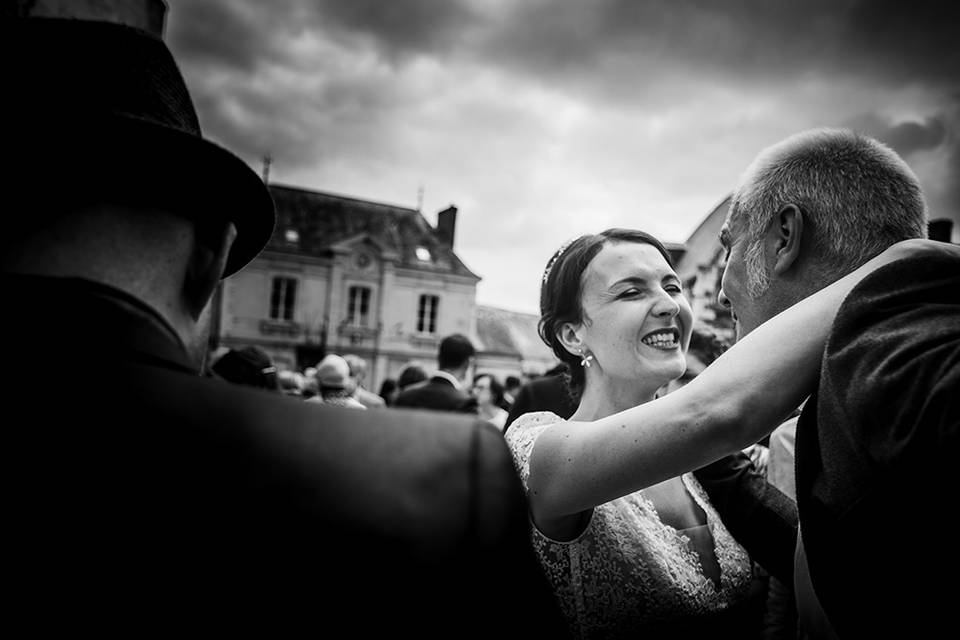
157,492
339,380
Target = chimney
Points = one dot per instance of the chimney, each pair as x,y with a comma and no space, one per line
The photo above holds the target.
447,225
940,229
149,15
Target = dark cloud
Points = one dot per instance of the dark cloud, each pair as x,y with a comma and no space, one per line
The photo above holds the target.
317,81
235,34
905,137
911,41
615,44
400,28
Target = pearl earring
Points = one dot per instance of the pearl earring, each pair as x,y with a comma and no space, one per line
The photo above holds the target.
585,359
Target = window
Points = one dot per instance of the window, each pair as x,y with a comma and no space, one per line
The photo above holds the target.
283,295
358,307
427,314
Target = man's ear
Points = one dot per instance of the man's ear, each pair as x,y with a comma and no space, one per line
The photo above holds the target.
570,336
207,262
784,237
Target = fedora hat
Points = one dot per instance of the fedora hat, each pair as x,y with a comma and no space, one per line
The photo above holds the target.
103,108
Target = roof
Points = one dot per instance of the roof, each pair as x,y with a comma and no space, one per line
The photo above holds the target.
703,245
511,332
321,220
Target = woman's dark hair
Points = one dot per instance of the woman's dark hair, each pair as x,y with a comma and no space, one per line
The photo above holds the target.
561,289
496,389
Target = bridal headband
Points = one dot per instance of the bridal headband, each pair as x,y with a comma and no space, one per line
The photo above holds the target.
556,256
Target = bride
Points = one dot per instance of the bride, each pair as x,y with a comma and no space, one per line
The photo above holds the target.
629,542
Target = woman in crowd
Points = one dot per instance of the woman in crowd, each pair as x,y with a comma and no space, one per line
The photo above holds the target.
629,540
489,394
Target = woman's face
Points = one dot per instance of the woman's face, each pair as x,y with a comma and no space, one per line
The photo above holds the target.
637,321
481,390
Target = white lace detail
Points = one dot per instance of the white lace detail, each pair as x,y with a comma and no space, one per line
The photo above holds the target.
629,569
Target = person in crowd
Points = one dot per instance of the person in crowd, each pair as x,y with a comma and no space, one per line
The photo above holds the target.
388,391
336,386
411,375
630,545
248,365
511,387
167,500
358,371
489,395
549,392
444,390
291,382
780,615
880,431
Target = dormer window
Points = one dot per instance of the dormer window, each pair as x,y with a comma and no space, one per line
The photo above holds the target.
292,236
423,254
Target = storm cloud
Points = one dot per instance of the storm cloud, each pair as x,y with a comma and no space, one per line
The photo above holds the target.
544,119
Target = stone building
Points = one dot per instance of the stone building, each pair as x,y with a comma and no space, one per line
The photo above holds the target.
345,275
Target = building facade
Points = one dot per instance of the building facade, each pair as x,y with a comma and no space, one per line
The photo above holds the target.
344,275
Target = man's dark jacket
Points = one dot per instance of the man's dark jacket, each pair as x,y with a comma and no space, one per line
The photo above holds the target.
546,393
143,497
877,455
437,394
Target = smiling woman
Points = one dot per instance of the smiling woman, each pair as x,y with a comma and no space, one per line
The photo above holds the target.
628,539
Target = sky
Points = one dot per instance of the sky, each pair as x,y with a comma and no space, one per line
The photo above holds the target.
543,120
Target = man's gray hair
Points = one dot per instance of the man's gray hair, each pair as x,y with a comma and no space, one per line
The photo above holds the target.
857,197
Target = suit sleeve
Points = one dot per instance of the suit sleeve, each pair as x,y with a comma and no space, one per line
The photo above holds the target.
510,578
758,515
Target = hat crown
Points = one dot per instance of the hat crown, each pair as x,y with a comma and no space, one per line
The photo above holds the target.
102,70
333,372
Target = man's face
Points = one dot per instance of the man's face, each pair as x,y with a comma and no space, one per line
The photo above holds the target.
748,312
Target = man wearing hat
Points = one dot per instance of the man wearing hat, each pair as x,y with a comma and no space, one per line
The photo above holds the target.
144,496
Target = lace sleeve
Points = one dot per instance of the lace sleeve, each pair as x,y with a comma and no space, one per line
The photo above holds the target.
523,434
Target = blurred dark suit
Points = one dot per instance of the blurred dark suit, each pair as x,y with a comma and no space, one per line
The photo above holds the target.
546,393
437,394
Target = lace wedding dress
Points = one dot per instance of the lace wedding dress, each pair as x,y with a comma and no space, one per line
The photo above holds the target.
628,571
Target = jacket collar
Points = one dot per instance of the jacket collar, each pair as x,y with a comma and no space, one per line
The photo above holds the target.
449,377
90,318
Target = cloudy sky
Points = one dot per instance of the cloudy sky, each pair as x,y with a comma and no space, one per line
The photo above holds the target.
545,119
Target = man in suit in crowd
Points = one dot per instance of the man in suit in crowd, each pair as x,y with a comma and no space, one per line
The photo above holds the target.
876,444
444,390
144,497
549,392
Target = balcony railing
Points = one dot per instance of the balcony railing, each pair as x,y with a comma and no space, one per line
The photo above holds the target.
357,333
280,328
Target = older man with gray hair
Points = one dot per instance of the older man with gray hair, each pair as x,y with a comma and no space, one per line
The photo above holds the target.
877,441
